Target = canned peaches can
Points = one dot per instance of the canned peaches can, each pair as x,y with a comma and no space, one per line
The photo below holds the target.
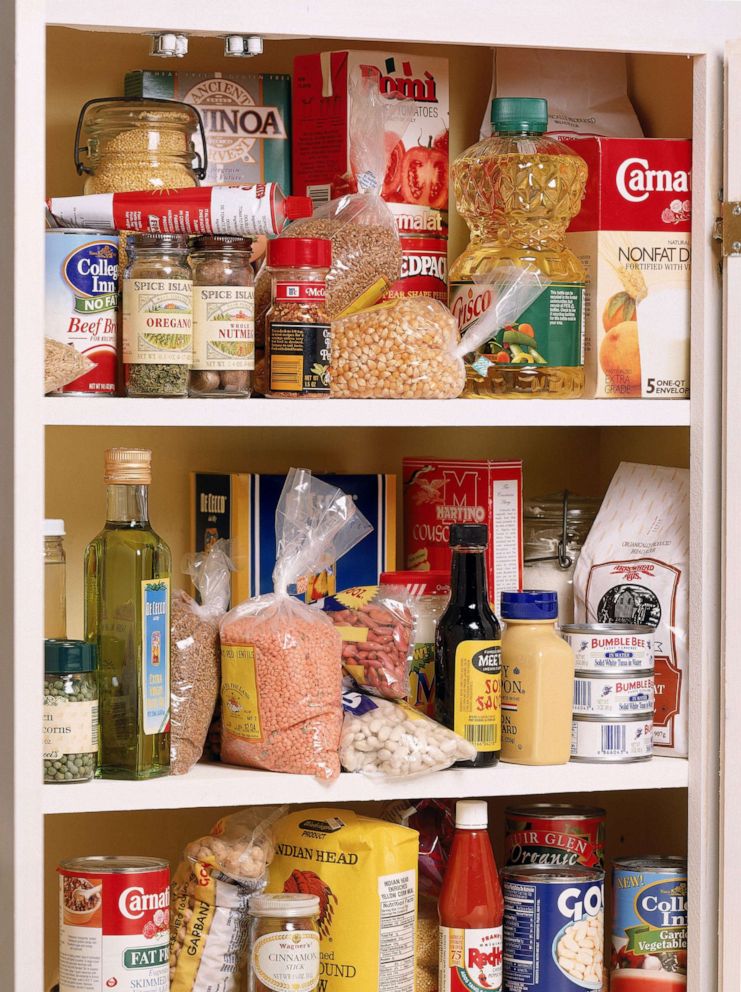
114,921
555,834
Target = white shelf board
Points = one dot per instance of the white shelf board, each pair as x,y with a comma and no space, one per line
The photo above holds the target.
123,412
223,785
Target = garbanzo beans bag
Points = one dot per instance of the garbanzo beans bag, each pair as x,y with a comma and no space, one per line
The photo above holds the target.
365,874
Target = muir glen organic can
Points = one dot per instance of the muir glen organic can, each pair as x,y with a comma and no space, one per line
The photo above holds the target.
555,834
424,268
114,920
81,300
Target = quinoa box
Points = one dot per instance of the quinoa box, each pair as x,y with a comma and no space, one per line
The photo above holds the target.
247,120
241,508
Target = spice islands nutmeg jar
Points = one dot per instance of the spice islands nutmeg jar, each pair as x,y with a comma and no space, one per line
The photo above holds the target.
285,942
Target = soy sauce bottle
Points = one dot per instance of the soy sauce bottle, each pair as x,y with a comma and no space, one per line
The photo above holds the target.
468,652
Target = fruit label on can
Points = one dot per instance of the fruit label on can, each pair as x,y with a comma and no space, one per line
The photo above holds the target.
470,960
157,322
550,332
116,937
478,694
649,939
81,300
223,327
553,935
156,655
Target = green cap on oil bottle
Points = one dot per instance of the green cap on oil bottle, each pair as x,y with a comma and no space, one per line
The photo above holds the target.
519,113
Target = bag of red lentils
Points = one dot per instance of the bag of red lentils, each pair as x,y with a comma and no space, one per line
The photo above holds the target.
281,660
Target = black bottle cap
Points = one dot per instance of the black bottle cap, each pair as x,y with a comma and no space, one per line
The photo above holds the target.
468,535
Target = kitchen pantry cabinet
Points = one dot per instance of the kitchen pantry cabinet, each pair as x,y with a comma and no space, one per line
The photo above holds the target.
53,57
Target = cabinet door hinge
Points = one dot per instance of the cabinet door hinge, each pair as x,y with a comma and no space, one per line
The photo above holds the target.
728,228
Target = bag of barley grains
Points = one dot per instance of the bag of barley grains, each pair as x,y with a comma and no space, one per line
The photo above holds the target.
633,569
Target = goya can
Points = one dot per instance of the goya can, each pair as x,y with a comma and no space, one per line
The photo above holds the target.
555,834
114,924
614,695
81,302
619,739
649,928
610,647
553,928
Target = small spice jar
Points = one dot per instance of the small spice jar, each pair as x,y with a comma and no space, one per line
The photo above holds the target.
297,327
157,315
278,961
135,145
55,580
70,732
223,316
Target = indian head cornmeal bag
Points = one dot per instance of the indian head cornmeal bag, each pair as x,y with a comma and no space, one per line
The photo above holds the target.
633,569
365,874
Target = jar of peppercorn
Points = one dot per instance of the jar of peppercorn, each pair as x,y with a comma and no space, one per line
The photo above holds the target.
223,316
70,731
285,942
297,327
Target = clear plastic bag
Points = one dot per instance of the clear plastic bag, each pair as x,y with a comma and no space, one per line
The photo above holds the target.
281,660
377,628
194,634
384,739
366,251
410,348
210,893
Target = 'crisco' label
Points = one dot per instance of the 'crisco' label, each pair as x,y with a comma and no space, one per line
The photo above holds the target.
649,935
470,960
550,332
478,694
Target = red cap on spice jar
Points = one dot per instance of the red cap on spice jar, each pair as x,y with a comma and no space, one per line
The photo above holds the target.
289,253
419,583
295,207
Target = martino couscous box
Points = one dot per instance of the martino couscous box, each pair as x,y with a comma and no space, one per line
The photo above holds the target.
247,120
364,872
241,508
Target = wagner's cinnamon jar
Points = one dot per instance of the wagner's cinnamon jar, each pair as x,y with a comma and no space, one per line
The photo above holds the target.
285,942
297,327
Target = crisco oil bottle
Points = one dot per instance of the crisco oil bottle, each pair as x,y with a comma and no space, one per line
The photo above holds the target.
518,191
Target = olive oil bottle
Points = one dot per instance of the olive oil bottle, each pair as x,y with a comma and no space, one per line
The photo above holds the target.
468,651
127,614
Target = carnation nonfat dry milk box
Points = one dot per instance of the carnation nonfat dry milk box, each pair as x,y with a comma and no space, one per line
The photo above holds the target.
441,492
633,236
247,120
241,507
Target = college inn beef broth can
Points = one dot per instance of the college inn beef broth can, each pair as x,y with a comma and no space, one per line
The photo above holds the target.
555,834
649,925
553,928
114,921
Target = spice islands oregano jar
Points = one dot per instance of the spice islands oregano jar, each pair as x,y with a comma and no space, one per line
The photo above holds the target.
157,315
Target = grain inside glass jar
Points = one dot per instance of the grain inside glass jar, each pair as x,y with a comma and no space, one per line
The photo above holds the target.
157,315
297,326
223,317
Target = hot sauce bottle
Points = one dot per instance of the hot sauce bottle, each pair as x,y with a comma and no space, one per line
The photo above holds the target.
468,651
471,907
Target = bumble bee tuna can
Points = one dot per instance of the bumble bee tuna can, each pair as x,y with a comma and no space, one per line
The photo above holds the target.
114,921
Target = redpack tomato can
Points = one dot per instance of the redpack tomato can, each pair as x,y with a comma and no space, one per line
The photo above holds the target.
114,924
424,268
555,834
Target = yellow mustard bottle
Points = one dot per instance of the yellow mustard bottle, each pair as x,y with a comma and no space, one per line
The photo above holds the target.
537,681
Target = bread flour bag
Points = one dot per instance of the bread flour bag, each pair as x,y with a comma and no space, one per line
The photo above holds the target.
634,569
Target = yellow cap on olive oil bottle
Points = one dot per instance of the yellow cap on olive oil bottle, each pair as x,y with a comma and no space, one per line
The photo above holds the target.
128,467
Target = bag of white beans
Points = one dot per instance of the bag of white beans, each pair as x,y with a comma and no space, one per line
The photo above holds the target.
281,660
393,740
410,348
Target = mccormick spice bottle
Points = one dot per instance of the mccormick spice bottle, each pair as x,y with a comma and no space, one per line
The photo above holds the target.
471,906
297,327
468,651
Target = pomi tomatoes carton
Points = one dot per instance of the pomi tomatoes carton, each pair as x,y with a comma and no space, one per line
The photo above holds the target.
415,184
633,236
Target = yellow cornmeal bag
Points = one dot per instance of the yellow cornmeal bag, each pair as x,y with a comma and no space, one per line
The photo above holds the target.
365,874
